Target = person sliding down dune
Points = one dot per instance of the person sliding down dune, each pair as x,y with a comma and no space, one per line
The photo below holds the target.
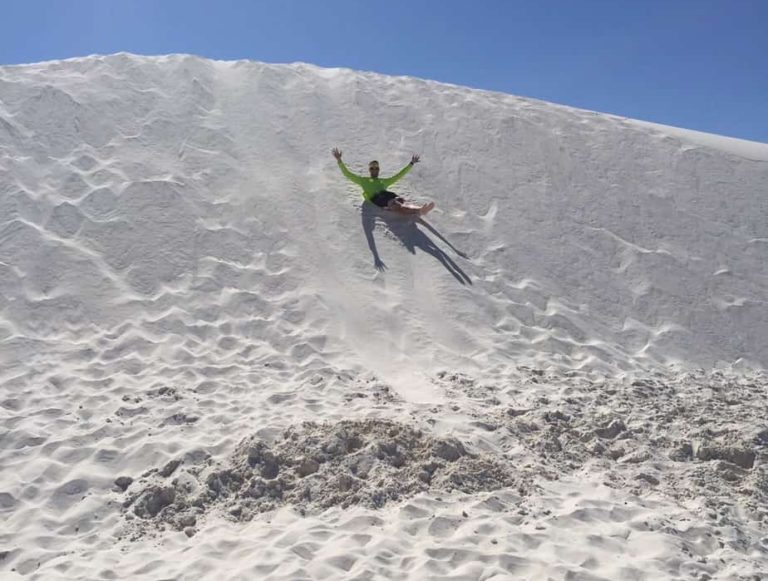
375,188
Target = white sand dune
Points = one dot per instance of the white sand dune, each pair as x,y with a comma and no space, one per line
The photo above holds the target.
557,374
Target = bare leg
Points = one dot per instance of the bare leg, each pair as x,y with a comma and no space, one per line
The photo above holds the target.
398,207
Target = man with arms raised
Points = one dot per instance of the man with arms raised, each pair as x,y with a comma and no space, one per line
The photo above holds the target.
375,189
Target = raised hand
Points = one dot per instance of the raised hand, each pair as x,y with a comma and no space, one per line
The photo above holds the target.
336,153
415,159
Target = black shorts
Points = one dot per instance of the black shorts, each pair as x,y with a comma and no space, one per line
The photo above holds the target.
383,198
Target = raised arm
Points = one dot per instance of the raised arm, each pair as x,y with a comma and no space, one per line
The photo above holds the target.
389,181
348,174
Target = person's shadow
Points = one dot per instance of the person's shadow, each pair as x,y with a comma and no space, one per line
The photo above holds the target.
406,230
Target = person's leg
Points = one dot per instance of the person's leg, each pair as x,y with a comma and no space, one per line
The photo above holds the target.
397,206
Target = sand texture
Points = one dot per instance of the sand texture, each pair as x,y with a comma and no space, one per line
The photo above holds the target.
217,363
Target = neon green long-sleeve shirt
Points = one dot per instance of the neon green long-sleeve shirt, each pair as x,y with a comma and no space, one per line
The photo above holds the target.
372,186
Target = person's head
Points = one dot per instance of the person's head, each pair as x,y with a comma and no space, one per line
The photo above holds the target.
373,167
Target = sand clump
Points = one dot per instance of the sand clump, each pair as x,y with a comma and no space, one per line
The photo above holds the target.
639,434
314,467
694,436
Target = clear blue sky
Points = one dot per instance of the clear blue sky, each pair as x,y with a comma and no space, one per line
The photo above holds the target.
700,64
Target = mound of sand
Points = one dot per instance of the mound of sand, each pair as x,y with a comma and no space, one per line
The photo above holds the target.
314,467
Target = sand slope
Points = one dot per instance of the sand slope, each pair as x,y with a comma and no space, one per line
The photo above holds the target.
186,278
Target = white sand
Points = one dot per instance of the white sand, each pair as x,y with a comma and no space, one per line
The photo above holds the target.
559,374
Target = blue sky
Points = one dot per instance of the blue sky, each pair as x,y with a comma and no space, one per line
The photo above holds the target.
699,64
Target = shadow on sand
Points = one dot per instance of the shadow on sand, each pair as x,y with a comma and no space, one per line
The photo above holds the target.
406,230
